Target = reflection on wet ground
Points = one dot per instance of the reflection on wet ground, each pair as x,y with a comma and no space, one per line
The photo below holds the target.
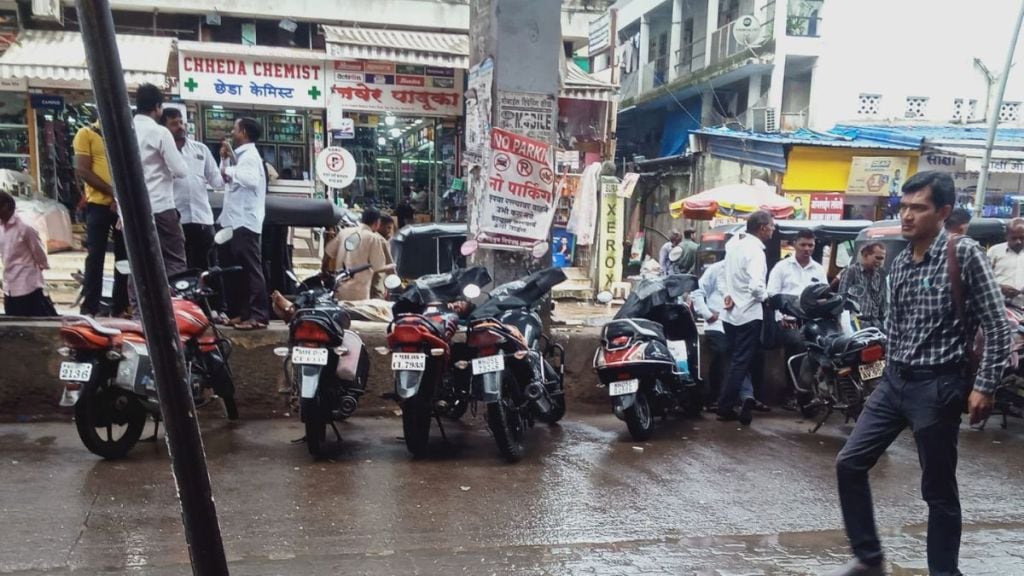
702,497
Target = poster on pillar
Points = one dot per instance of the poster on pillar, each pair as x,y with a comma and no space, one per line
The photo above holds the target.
478,111
251,80
532,115
518,205
610,234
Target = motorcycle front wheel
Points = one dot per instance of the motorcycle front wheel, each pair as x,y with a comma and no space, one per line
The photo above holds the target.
316,426
507,424
639,418
105,407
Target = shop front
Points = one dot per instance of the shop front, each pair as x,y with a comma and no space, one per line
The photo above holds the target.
46,97
1005,189
282,89
398,99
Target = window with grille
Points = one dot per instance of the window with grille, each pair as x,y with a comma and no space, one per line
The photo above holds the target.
1009,112
917,107
869,104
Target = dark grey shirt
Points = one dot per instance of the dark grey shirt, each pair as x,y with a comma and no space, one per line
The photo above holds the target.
875,300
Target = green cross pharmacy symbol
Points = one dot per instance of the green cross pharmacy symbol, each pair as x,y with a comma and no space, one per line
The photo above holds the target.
191,84
314,93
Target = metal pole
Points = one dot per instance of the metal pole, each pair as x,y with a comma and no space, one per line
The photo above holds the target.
185,445
993,121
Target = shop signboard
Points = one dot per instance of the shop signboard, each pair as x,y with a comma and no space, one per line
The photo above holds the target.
256,80
518,204
399,89
600,33
826,206
335,167
609,237
478,111
996,165
877,175
801,203
530,114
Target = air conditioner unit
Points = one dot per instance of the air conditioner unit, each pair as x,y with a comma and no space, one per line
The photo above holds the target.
764,119
48,10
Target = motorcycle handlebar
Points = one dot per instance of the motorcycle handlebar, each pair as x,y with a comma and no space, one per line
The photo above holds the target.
226,270
350,272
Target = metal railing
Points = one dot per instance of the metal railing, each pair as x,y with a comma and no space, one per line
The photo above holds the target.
655,73
724,45
803,26
691,58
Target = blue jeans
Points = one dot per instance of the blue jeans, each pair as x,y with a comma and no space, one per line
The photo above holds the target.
931,406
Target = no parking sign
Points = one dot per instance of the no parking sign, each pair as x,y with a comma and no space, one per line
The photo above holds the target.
335,167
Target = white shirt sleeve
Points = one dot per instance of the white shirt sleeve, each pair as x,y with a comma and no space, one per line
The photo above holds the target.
173,158
775,279
247,173
758,271
211,170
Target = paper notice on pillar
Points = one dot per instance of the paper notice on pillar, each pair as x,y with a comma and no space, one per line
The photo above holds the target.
529,114
478,111
519,205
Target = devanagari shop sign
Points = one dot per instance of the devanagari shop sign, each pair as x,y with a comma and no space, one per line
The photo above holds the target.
367,86
252,80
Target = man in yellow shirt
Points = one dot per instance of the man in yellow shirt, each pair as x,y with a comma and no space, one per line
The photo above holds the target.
100,220
369,249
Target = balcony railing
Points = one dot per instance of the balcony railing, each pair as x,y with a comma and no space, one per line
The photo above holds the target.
724,45
691,58
655,73
803,26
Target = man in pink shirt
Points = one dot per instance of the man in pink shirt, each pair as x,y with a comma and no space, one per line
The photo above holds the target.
24,259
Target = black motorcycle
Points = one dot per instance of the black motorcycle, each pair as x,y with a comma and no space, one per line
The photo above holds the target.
840,368
510,369
329,365
649,356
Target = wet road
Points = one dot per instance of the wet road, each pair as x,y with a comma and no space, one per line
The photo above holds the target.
701,498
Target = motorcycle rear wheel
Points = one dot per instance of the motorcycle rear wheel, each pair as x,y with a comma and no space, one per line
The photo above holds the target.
507,424
316,426
639,418
104,406
416,416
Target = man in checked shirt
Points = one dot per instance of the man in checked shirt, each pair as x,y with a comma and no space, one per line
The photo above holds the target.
925,385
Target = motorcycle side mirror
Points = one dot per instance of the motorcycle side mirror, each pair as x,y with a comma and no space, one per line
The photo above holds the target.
469,247
353,241
123,267
604,297
856,292
540,249
223,236
392,282
471,291
675,254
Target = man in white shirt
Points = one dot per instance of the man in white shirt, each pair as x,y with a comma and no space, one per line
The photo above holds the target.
1008,263
190,195
708,301
791,276
745,291
161,164
244,208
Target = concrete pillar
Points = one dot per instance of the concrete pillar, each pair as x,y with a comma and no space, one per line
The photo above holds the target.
778,81
707,100
524,38
645,51
676,39
710,26
753,95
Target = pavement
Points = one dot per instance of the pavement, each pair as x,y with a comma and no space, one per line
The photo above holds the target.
701,497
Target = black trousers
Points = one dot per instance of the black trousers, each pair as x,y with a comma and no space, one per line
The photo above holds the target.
99,223
198,241
34,304
743,341
246,293
718,345
931,407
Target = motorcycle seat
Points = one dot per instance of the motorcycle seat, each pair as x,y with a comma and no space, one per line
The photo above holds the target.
122,325
637,327
836,344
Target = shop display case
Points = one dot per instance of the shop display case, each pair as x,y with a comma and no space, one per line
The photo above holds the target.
217,124
14,150
286,129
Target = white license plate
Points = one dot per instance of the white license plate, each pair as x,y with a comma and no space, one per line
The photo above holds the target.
405,361
75,371
624,387
872,371
315,356
488,364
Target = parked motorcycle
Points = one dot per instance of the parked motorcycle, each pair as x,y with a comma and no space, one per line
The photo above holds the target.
839,370
509,364
649,357
329,364
108,377
421,340
1009,397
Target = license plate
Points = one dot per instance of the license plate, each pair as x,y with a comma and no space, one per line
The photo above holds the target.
872,371
624,387
315,356
75,371
488,364
414,362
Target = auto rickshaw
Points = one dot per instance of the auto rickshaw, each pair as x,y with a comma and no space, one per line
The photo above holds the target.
430,248
986,231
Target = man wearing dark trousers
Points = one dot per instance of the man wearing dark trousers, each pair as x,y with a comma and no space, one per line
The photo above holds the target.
244,208
926,384
190,195
100,221
745,290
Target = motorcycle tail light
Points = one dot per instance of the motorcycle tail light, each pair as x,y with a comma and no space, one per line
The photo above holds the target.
872,354
311,332
619,341
484,339
405,335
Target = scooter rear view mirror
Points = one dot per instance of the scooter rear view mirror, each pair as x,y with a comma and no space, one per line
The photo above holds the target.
469,247
471,291
123,267
223,236
353,241
604,297
675,254
392,282
540,249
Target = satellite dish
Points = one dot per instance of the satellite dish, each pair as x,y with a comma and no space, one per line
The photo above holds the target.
747,31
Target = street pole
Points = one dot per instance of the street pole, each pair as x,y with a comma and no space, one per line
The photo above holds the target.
524,37
993,121
184,443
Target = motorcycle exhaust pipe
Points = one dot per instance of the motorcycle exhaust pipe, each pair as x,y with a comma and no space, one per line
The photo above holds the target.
534,391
